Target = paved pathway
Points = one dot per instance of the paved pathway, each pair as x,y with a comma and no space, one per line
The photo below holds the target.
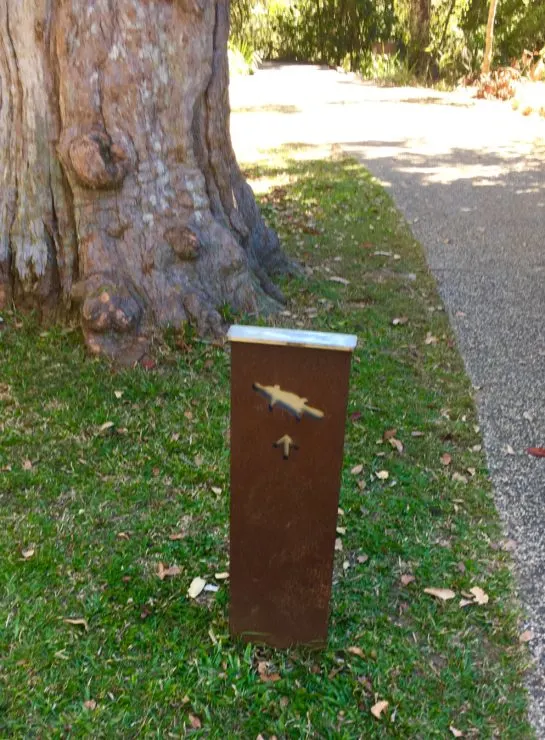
470,177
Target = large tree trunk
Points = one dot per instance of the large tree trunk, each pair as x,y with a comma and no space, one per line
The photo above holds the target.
119,188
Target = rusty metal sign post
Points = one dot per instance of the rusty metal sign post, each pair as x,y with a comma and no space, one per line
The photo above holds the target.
289,392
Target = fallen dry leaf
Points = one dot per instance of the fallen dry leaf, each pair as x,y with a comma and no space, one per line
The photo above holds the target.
446,459
362,558
338,544
104,428
177,536
27,554
459,478
455,732
118,394
430,339
90,704
406,579
164,572
357,469
378,708
509,450
397,444
196,587
400,321
479,595
221,576
27,465
536,451
466,602
337,279
77,623
389,434
123,536
362,485
356,651
341,530
264,675
188,415
526,636
383,475
444,594
195,722
217,490
147,363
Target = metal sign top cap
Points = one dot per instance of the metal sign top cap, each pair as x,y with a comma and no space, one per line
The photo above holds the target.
292,338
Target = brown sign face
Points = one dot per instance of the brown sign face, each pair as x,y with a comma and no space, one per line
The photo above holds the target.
288,409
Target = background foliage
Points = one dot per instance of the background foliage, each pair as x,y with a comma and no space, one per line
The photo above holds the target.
434,38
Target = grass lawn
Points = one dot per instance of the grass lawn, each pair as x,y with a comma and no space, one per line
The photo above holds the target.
105,474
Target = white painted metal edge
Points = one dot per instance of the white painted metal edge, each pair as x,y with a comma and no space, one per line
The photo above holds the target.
292,337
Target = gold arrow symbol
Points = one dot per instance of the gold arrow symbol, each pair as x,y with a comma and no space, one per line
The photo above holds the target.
286,442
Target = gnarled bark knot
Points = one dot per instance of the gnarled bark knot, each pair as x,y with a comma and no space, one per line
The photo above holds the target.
99,162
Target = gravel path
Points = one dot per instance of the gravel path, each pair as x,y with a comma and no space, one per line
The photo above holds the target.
470,178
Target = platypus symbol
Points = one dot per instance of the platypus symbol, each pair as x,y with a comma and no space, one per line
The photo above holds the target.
291,402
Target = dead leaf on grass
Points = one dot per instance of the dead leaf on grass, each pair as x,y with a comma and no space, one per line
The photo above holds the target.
383,475
378,708
400,321
118,394
217,490
362,558
407,578
167,572
459,478
455,732
196,587
526,636
337,279
396,444
338,544
357,469
195,722
430,339
27,465
389,434
356,651
77,623
104,428
479,595
264,675
341,530
177,536
27,554
444,594
221,576
90,704
446,459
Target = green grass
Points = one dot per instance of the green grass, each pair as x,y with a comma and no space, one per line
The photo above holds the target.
98,508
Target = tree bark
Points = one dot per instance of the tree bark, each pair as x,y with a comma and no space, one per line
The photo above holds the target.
489,42
119,189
